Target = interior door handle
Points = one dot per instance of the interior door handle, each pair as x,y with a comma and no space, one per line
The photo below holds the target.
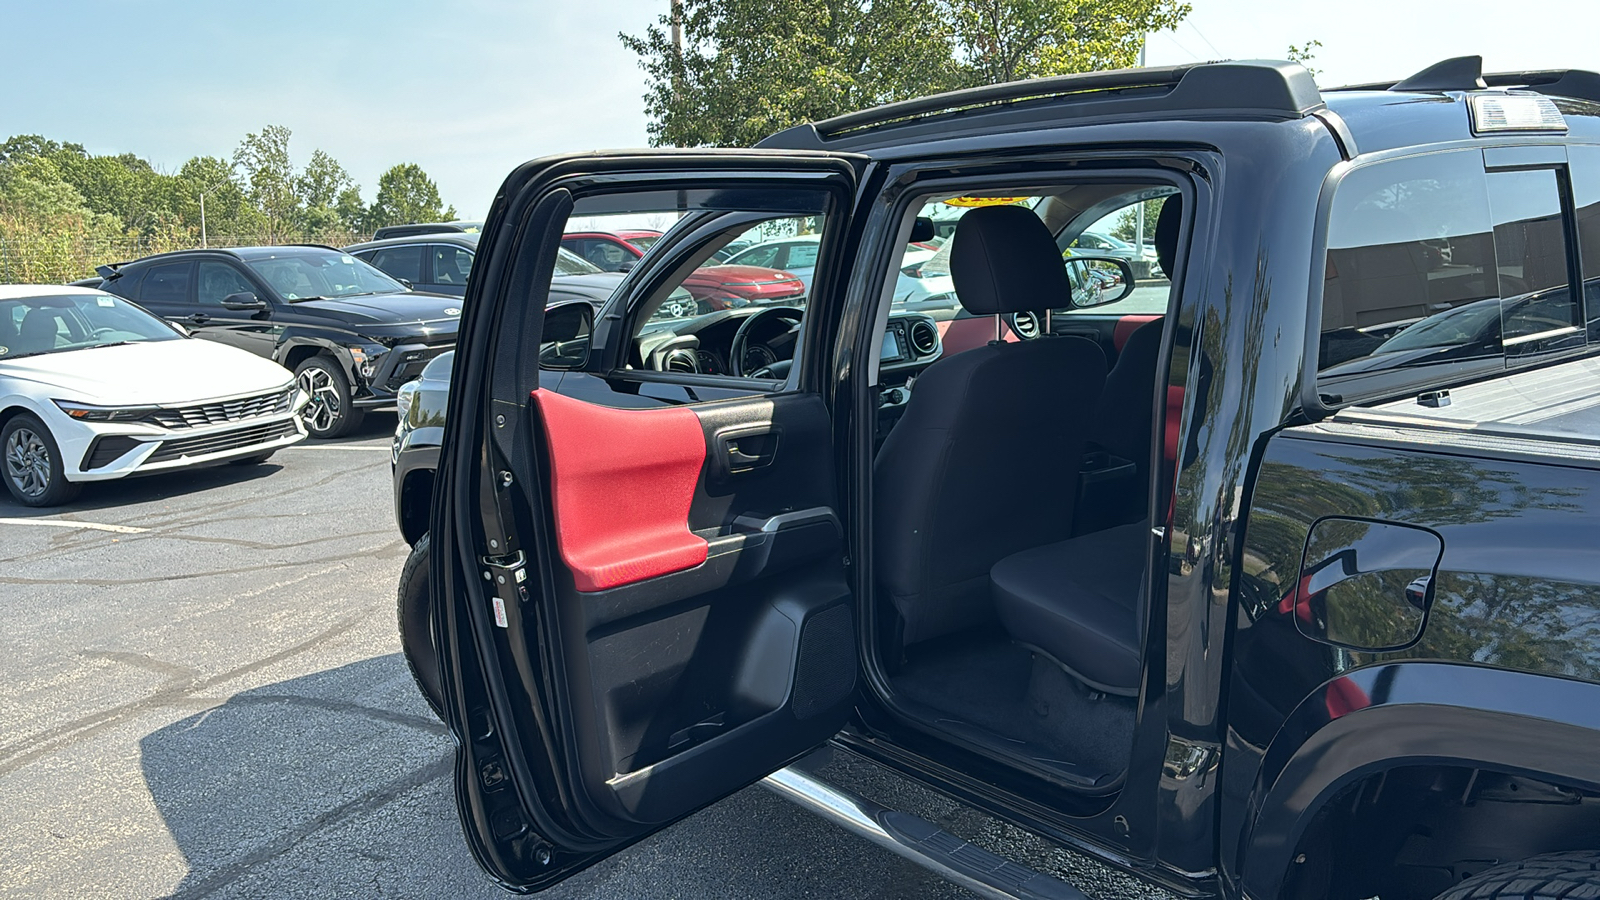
747,450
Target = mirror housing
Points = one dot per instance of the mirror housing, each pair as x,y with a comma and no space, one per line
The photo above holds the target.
564,343
922,230
1366,585
627,265
1098,280
243,301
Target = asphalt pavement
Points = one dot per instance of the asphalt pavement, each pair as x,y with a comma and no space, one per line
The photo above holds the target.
201,695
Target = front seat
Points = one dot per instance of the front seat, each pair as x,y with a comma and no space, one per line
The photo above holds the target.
982,463
38,332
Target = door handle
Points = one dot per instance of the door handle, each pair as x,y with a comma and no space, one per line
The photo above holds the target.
747,450
198,319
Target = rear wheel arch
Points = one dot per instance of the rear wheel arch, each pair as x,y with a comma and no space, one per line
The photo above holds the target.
1438,719
416,499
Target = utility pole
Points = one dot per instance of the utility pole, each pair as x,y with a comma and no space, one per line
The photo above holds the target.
203,194
1138,214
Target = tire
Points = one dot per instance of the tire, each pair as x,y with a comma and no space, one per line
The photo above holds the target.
256,460
330,412
1547,877
30,462
413,609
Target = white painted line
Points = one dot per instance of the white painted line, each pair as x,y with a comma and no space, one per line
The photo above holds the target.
383,447
67,523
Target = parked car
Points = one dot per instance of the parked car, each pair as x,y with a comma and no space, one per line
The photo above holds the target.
351,334
440,263
458,227
93,388
715,286
1168,589
798,255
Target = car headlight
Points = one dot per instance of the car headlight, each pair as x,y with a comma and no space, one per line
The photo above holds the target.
367,359
89,413
402,399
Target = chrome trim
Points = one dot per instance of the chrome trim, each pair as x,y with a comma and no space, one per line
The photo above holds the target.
937,850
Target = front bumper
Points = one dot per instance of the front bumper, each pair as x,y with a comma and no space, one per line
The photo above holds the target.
402,363
105,451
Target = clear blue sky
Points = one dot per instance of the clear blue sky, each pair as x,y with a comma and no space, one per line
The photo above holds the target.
470,88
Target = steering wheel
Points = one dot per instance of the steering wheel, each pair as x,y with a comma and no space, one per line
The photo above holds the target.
741,338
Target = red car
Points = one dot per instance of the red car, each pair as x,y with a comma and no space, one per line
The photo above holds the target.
716,287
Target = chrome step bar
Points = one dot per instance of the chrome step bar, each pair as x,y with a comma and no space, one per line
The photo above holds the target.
917,839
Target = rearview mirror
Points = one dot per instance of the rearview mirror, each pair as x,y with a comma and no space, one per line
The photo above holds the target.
1366,585
922,230
1098,280
243,301
565,341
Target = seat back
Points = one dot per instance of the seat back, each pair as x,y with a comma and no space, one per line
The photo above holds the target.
985,460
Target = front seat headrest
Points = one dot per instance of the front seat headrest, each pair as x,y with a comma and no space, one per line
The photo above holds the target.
1167,233
1005,260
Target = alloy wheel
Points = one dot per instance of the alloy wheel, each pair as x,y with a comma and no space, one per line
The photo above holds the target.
323,408
28,462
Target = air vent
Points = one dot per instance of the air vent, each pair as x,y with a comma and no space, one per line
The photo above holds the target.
924,338
682,361
1026,325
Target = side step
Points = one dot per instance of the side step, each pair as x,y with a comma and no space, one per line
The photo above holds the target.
918,840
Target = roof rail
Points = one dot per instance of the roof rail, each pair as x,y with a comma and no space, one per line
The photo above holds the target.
1268,88
1465,73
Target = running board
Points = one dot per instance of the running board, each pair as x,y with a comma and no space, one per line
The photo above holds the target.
918,840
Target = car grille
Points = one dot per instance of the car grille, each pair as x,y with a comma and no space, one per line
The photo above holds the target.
207,414
411,364
227,440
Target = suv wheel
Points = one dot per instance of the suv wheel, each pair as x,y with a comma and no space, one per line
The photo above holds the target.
33,469
329,413
1535,878
416,629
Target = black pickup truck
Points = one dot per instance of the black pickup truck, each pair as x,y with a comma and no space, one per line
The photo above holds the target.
1275,577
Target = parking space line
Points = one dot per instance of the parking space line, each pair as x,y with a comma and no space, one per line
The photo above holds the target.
68,523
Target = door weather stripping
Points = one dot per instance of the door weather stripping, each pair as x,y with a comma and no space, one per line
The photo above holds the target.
918,840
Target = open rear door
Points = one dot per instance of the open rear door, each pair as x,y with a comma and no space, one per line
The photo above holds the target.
642,595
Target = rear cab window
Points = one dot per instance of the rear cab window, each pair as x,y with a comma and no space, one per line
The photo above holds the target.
1443,270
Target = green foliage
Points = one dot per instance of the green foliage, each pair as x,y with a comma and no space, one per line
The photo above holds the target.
1127,227
1304,54
406,194
752,67
64,211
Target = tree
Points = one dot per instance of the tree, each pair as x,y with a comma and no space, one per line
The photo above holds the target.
1304,54
228,211
269,179
752,67
319,186
406,194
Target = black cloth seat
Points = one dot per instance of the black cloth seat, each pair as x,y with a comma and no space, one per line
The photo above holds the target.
1077,601
962,480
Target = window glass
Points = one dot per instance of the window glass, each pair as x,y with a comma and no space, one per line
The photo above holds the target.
802,256
642,242
763,255
40,325
1410,292
451,264
569,263
166,284
310,272
1585,168
400,262
218,280
1538,310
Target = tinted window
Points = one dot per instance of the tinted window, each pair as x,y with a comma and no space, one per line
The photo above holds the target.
218,280
311,272
400,262
1586,199
166,284
450,264
1410,283
124,285
1538,309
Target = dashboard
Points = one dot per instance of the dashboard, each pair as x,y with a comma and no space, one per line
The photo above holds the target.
703,345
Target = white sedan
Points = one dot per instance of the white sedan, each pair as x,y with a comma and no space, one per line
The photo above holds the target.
94,388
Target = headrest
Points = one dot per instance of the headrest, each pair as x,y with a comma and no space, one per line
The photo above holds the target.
1005,260
1166,238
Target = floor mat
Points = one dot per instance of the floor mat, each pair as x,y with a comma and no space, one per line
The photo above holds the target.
980,688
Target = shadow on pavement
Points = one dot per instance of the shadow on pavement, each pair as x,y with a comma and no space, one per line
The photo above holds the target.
339,784
145,488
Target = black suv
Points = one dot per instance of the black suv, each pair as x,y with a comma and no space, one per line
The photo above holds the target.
1276,579
351,334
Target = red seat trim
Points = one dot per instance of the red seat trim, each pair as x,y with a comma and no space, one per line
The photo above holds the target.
1125,328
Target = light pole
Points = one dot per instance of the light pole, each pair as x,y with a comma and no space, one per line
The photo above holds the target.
1138,214
203,194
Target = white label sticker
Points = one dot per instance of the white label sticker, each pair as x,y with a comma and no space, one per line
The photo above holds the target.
348,260
105,301
499,612
522,575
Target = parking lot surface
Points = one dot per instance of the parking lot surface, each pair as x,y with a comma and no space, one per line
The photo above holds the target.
201,695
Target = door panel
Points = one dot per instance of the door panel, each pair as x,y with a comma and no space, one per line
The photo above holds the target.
643,602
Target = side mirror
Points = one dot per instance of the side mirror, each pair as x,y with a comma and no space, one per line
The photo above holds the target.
627,265
405,281
1366,585
922,230
565,341
1098,280
243,301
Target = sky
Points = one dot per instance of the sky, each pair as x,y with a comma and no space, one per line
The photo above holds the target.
468,89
